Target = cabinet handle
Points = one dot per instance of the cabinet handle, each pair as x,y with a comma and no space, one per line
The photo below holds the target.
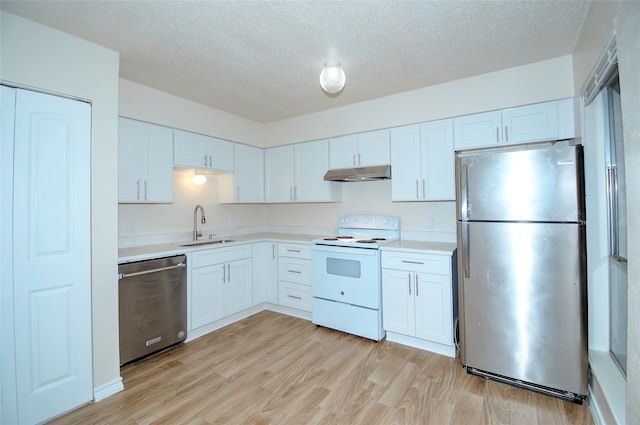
359,162
229,272
424,192
409,275
273,251
412,262
294,271
293,250
417,192
497,134
417,287
506,133
294,297
205,160
210,161
224,273
354,159
290,193
138,189
295,193
145,189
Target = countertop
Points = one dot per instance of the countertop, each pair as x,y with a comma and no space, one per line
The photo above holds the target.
145,252
423,247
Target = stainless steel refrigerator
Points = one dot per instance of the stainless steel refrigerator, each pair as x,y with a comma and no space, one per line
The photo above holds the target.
522,266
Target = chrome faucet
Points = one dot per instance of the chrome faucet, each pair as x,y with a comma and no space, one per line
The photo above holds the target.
203,220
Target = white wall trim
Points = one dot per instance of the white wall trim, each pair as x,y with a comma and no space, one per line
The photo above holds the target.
108,389
607,390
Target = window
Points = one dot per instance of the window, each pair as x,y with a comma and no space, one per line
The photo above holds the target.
617,224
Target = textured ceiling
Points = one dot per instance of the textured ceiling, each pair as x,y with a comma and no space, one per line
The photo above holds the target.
261,60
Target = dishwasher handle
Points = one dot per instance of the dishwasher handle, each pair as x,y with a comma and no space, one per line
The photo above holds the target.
160,269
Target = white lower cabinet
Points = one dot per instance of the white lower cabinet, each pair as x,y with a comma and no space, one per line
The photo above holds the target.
265,272
419,300
294,275
221,283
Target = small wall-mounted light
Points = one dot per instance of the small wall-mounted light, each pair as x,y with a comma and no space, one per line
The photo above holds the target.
199,179
332,77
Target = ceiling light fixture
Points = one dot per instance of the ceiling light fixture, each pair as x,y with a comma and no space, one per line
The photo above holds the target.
199,179
332,77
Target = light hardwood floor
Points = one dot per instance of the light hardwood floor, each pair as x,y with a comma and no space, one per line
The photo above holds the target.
276,369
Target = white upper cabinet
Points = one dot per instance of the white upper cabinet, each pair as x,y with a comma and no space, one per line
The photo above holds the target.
246,184
145,162
531,123
193,150
311,164
359,150
279,174
295,173
422,162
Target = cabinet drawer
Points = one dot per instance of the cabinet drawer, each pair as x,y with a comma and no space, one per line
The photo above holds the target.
294,250
294,295
425,263
295,270
220,255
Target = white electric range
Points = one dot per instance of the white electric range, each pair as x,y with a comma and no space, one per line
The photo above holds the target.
346,275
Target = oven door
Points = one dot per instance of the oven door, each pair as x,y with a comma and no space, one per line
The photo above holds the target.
348,275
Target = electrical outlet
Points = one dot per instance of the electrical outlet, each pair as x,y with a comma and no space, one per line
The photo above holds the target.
131,228
429,223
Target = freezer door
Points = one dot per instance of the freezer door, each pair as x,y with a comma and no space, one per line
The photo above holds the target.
533,183
523,302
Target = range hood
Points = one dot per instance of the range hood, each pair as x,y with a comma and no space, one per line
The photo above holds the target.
363,174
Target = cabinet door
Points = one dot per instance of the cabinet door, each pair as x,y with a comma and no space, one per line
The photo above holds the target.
433,306
437,157
237,286
311,164
145,162
189,150
279,174
158,184
342,151
130,163
220,153
530,123
405,163
373,148
206,295
477,130
265,272
248,175
398,313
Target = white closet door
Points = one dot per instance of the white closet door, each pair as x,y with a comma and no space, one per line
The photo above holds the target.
51,252
8,401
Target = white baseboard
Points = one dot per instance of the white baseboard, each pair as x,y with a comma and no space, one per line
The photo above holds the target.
108,389
434,347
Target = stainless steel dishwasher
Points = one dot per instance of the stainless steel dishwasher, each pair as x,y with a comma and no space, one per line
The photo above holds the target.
152,297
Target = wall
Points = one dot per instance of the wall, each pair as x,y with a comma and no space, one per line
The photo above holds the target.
537,82
623,18
146,104
37,57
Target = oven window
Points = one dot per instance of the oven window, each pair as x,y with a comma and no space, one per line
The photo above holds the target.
342,267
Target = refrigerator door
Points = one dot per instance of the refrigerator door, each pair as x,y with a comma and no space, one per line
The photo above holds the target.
523,302
532,183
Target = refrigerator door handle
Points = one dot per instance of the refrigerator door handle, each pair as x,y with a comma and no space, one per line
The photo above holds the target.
466,261
464,194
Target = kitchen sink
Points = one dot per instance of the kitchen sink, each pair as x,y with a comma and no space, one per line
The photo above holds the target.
206,242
